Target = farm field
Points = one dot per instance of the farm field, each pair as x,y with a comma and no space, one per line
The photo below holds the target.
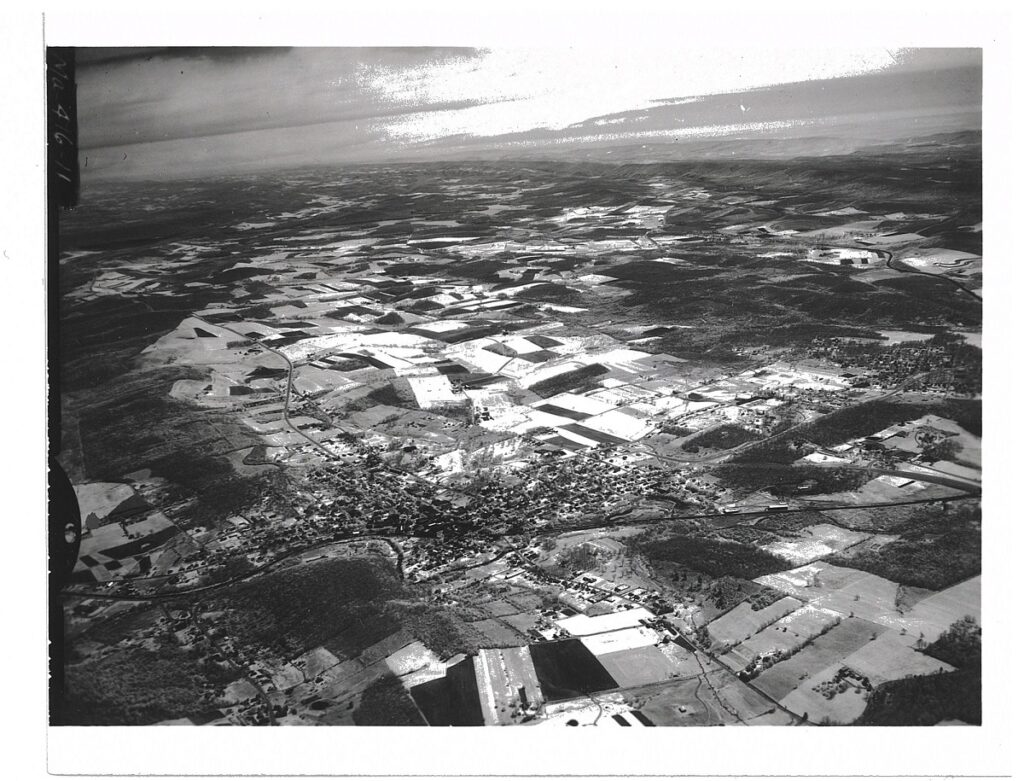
685,662
787,634
842,589
620,640
684,703
504,677
718,698
567,669
638,666
891,656
741,699
824,651
932,615
743,621
815,542
582,625
452,700
102,499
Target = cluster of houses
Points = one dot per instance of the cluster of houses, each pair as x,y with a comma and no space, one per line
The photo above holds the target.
955,367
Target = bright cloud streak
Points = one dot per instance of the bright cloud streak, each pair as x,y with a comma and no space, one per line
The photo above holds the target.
715,131
195,112
525,89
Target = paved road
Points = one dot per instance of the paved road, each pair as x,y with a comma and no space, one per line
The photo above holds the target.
288,387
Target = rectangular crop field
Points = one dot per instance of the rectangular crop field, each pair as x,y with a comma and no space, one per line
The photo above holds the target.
637,666
620,640
933,615
592,625
892,656
787,634
567,669
842,589
743,621
501,673
825,650
553,409
453,700
593,434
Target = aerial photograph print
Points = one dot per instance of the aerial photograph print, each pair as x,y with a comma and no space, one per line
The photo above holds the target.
532,387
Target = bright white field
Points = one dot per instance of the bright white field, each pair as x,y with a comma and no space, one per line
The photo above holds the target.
816,542
620,640
432,390
581,625
619,424
582,404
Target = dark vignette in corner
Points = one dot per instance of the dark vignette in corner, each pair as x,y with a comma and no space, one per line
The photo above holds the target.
62,182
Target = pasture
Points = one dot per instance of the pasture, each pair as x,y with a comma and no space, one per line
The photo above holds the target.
787,634
933,615
637,666
842,589
743,621
824,651
687,703
891,656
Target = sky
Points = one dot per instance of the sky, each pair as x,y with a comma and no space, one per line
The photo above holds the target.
167,113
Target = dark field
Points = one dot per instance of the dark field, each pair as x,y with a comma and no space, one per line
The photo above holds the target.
565,413
575,379
594,434
385,703
566,669
453,700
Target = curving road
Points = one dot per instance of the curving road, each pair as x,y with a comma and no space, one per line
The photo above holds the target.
288,386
